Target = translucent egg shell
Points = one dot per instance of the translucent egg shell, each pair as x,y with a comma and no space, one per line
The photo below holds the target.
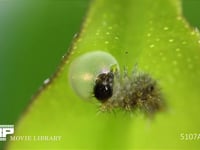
84,70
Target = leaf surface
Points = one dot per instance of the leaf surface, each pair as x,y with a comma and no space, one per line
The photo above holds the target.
156,37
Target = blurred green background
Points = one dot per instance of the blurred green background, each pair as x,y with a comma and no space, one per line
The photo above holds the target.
34,35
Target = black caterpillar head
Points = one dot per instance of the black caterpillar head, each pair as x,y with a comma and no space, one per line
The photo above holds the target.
103,88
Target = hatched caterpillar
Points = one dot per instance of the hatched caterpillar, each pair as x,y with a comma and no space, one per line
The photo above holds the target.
137,91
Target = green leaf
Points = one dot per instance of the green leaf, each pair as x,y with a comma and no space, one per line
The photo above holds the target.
156,37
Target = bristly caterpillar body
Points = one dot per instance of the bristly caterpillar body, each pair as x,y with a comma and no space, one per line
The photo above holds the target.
138,91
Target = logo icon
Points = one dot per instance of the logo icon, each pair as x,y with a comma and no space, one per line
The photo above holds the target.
5,130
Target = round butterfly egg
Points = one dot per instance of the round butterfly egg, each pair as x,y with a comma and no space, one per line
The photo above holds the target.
90,75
